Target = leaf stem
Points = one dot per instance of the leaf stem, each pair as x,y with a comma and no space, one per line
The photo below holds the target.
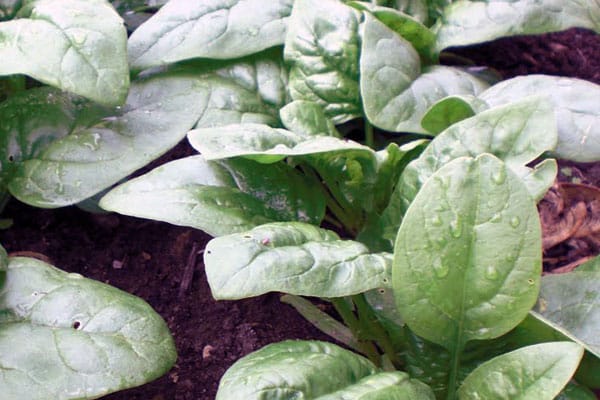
454,367
369,134
366,347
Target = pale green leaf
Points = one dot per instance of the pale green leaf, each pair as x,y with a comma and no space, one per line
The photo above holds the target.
534,372
468,22
321,47
572,302
63,336
75,45
218,197
294,258
294,369
307,118
576,109
467,258
221,29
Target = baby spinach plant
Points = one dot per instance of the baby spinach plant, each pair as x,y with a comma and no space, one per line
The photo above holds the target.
428,249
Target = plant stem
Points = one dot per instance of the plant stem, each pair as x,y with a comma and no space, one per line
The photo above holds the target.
454,367
380,335
369,135
367,347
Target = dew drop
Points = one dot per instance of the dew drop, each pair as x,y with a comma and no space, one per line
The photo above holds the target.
456,228
515,222
436,220
496,218
499,177
440,270
491,273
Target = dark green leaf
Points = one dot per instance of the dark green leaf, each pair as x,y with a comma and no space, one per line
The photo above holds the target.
446,112
294,258
66,337
576,392
467,258
75,45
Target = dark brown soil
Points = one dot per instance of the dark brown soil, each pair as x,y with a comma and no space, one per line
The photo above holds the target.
150,259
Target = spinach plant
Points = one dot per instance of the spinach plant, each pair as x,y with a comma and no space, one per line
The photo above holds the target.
423,234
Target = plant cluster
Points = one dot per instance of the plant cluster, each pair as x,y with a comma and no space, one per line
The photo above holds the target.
423,232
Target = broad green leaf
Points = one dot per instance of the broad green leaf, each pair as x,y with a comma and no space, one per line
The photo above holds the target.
307,118
575,106
572,301
221,29
314,370
414,8
75,45
534,372
417,34
448,111
218,197
294,258
321,47
467,258
263,143
159,112
63,336
467,22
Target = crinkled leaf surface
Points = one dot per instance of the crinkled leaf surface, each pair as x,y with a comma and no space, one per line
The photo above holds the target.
516,133
467,22
221,29
572,302
307,118
159,112
263,143
76,45
322,46
314,370
66,337
295,258
534,372
467,258
395,95
575,106
220,198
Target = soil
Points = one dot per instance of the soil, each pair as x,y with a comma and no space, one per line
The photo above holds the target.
162,263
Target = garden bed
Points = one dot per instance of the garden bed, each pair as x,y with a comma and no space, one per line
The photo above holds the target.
163,263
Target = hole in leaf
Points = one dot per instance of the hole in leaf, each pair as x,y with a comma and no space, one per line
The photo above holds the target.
11,158
76,325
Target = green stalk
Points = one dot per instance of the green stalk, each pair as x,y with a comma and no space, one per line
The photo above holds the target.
366,347
378,331
369,134
454,367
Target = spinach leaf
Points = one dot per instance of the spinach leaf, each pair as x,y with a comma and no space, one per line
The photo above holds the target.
467,22
450,110
577,115
467,258
533,372
220,198
295,258
307,118
75,45
294,369
322,49
67,337
221,29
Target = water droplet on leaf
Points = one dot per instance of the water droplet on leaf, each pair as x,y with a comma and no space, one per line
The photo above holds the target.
499,177
440,270
515,222
491,273
456,228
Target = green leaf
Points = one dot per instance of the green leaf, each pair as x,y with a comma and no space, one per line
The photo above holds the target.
577,112
534,372
218,197
467,22
592,265
66,337
159,112
75,45
321,47
263,143
221,29
467,258
314,370
448,111
294,258
415,8
572,301
576,392
307,118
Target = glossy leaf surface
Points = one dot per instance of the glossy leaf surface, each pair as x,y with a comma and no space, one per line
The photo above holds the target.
467,22
218,197
294,258
294,369
467,258
575,106
75,45
221,29
322,47
63,336
534,372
